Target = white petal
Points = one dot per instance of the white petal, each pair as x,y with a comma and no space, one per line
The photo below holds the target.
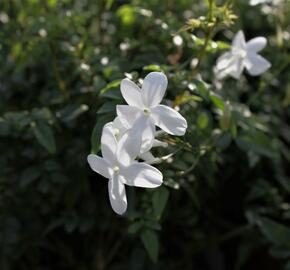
147,157
142,175
256,64
157,143
236,68
230,64
148,131
129,147
109,143
239,40
128,114
153,89
131,93
119,127
117,195
169,120
256,44
225,60
99,165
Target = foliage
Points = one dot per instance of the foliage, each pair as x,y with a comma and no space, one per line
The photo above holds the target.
225,199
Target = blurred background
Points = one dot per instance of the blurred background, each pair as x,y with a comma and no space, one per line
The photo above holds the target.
225,201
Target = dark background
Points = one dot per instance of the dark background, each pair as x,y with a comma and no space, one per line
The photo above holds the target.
224,204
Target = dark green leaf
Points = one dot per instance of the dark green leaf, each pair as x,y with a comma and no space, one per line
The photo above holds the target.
97,131
151,244
44,135
160,198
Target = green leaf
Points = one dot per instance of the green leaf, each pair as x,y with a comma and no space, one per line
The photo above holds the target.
275,232
71,112
160,198
201,88
107,107
152,225
135,227
126,14
109,4
256,142
44,135
52,3
112,90
28,176
202,121
217,101
97,131
152,68
224,140
287,266
151,244
4,128
112,85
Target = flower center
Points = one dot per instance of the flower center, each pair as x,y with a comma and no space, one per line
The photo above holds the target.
116,169
146,111
116,133
241,53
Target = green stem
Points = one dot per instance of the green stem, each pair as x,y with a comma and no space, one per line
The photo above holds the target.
209,35
191,168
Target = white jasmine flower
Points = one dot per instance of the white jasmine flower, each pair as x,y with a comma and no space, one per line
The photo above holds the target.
144,107
243,55
257,2
119,166
119,130
177,40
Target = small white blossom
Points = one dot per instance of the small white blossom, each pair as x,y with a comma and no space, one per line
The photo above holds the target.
119,130
243,55
145,109
177,40
119,166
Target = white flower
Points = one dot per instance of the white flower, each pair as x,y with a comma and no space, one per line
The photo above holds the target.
144,108
119,166
243,55
257,2
119,130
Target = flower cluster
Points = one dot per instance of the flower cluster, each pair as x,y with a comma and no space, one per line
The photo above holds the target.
243,55
131,136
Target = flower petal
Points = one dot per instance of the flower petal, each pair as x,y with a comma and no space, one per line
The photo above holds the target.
147,157
131,93
142,175
117,195
109,143
225,60
239,41
119,127
153,89
129,147
148,132
99,165
256,64
256,44
236,68
169,120
158,143
128,114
